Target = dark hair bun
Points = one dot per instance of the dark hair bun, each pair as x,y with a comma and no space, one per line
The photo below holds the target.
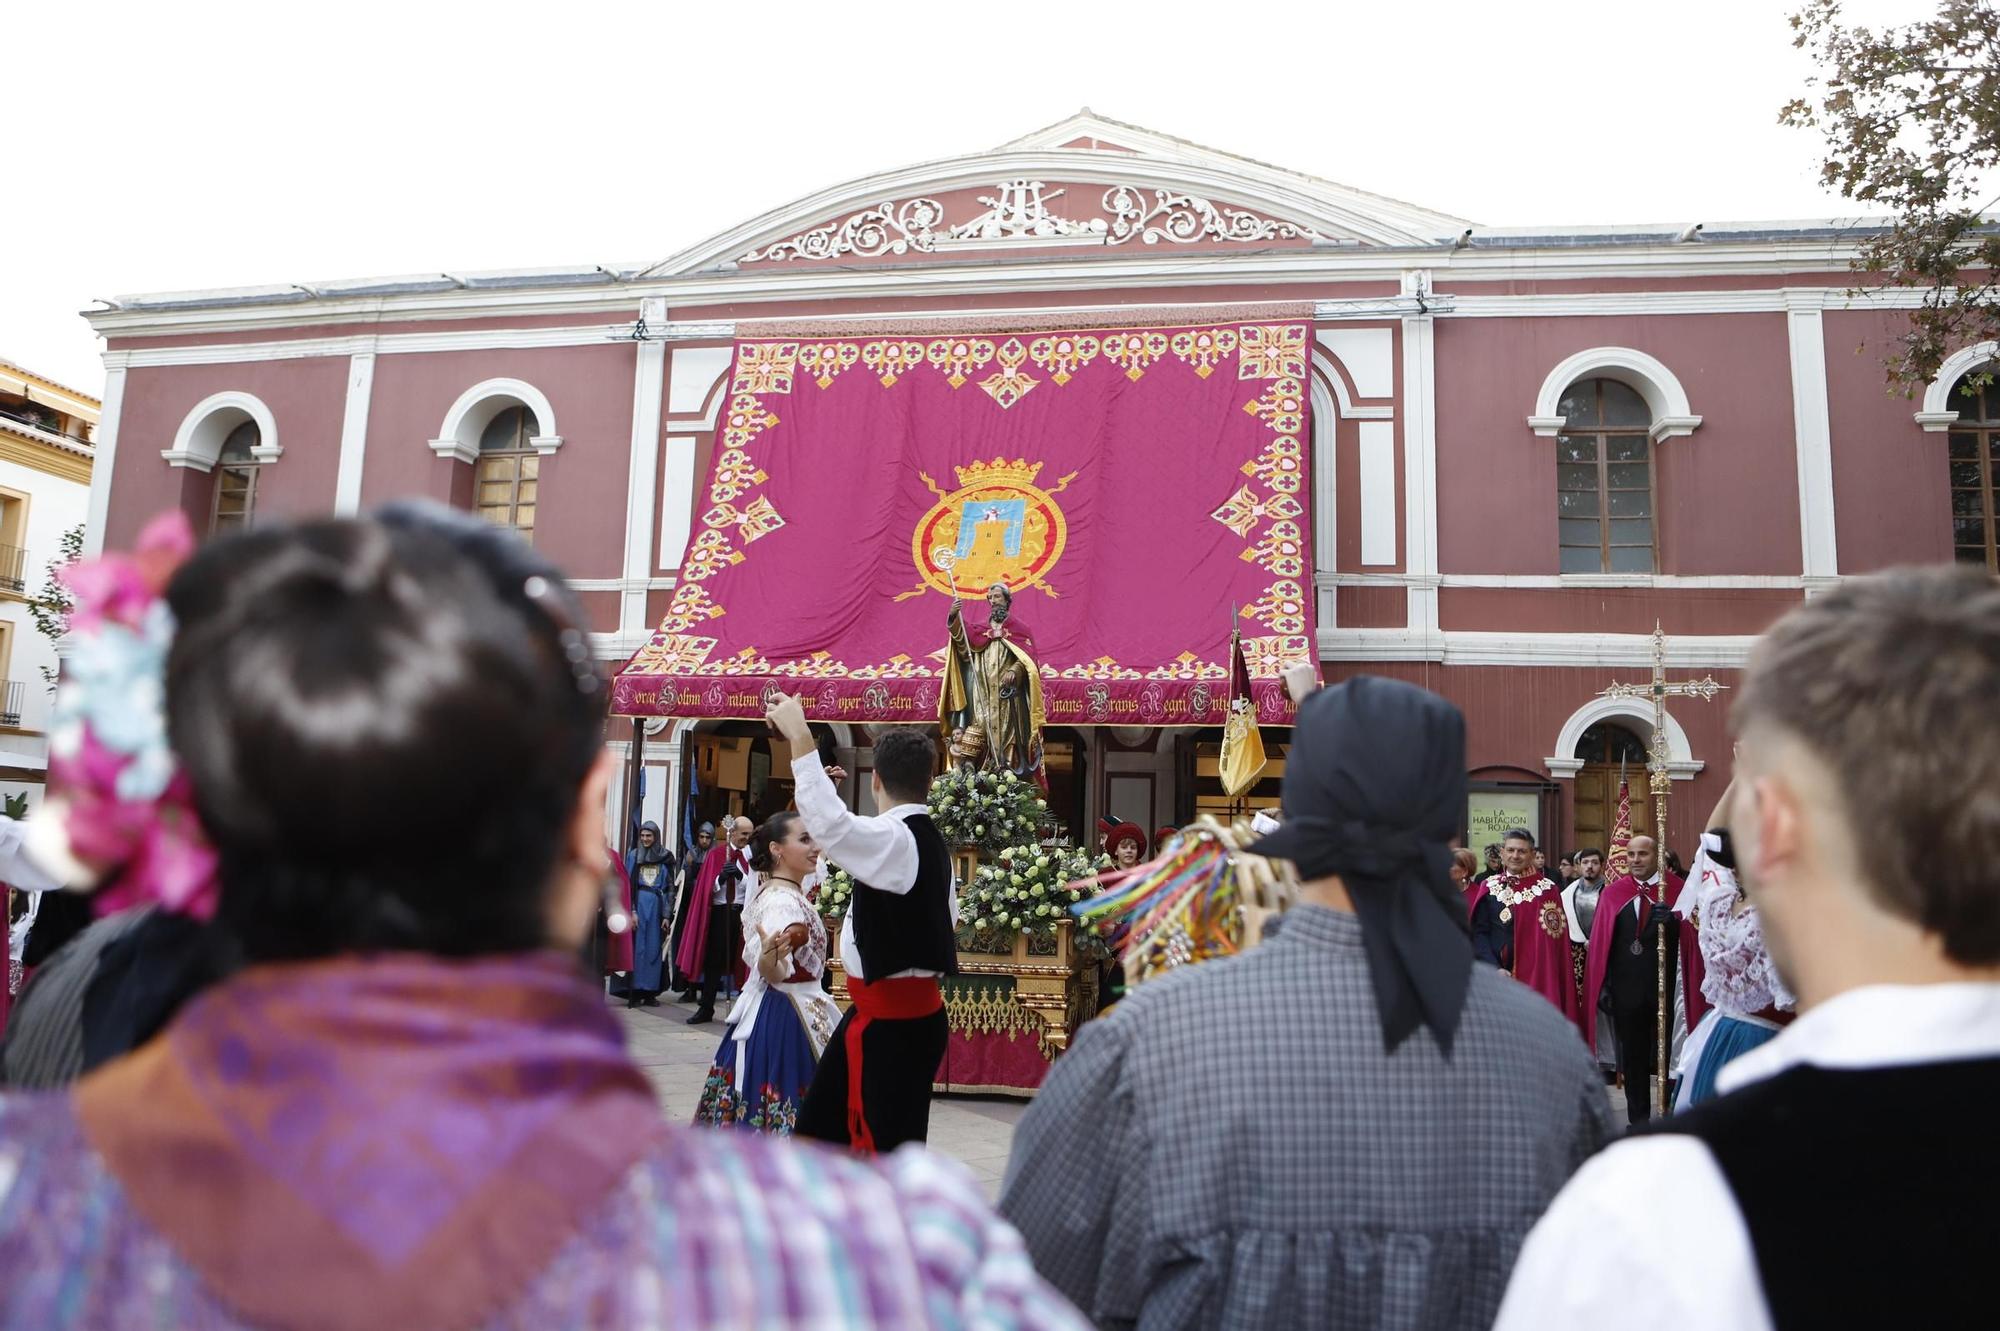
385,736
773,830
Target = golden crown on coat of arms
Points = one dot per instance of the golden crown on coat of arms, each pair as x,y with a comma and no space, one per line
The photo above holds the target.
999,472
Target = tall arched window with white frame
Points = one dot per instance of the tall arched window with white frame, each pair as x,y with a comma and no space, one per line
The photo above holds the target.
236,469
508,473
1606,515
1974,461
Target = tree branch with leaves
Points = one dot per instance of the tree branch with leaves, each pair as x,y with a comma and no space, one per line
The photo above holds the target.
51,605
1911,120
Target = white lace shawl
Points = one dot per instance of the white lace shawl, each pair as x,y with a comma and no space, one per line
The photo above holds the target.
1741,977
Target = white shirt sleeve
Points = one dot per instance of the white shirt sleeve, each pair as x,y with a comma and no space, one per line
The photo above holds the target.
880,851
1646,1237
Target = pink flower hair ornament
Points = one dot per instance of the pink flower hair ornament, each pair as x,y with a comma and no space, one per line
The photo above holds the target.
120,820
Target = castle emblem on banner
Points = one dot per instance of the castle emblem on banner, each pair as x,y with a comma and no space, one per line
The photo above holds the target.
997,526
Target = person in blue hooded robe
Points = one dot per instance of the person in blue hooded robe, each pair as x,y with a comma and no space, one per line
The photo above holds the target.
650,866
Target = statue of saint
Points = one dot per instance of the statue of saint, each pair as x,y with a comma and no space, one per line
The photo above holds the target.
992,690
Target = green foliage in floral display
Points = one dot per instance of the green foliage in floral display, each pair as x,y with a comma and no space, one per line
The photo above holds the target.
836,889
1022,889
990,810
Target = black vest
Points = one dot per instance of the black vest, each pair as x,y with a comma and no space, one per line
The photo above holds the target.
1633,981
1869,1195
904,931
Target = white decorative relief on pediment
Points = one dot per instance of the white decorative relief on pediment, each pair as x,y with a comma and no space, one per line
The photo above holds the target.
1019,214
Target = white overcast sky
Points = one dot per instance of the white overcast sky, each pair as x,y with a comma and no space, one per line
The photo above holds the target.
193,144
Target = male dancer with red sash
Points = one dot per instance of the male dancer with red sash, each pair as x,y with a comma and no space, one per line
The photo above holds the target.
873,1088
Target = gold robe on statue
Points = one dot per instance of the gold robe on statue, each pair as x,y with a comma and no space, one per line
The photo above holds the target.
1010,717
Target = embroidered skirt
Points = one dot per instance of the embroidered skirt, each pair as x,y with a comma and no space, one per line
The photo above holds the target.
760,1076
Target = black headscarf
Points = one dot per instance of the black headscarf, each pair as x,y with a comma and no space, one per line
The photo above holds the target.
1375,792
656,854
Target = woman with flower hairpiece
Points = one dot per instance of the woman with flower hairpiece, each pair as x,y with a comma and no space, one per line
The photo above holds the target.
405,1104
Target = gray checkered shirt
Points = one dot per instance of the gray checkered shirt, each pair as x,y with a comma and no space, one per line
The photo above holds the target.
1230,1147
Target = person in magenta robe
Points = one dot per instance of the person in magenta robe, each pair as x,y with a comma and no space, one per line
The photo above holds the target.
617,947
1521,917
1623,959
713,939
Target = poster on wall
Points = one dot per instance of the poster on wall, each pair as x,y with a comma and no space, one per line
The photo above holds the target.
1490,813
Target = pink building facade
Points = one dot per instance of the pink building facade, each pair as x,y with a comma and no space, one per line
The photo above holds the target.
1527,446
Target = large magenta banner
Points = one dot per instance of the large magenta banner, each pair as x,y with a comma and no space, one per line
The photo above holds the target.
1128,486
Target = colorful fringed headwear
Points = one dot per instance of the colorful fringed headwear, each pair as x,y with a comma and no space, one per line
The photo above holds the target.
1201,897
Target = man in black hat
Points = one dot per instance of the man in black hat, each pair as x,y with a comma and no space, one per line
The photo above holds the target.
1348,1125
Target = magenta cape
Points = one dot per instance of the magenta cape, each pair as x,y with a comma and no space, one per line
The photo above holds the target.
693,956
618,947
1541,948
1474,894
1616,898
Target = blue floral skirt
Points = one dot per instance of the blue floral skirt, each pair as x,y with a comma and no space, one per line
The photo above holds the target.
778,1065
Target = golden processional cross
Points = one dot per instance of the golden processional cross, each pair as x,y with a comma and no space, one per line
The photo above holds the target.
1660,781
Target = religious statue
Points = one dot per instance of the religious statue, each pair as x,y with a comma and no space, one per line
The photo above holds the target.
993,692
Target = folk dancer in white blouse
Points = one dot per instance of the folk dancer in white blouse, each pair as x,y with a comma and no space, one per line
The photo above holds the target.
873,1092
780,1026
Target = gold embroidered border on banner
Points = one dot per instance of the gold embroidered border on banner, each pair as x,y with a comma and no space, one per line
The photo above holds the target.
1271,353
1002,322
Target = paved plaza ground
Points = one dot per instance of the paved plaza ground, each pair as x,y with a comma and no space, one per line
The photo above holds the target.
977,1130
974,1129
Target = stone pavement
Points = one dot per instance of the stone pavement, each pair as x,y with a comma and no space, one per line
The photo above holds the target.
974,1129
977,1130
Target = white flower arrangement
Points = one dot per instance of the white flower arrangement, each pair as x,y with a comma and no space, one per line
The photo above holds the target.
990,810
836,889
1023,889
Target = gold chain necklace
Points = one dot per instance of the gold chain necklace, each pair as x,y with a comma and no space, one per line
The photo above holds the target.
1509,899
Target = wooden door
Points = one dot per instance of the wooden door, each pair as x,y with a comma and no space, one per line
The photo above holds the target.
1608,749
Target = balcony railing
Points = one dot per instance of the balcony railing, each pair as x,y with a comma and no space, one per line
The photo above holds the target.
48,422
13,568
10,702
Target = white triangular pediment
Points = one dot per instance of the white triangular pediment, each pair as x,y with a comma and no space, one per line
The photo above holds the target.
1086,185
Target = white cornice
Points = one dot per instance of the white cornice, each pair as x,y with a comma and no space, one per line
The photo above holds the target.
1099,271
661,584
1600,650
1657,582
588,334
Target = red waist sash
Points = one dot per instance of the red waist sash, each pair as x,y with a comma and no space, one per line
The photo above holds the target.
880,1000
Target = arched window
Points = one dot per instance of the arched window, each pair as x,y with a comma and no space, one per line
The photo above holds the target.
1604,480
1975,471
1608,742
508,473
236,469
